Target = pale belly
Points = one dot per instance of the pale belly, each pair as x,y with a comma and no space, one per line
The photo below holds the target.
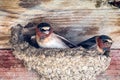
53,43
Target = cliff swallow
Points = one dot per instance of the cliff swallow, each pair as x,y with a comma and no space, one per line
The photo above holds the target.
46,38
102,43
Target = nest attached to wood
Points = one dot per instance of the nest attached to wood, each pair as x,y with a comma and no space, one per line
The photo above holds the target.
59,64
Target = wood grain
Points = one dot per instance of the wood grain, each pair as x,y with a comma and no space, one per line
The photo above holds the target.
76,20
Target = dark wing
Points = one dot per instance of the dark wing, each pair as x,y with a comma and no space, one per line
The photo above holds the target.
89,43
67,42
31,41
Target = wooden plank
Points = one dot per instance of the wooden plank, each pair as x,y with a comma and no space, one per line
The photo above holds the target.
79,18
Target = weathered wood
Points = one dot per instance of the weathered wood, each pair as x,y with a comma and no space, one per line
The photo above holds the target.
76,20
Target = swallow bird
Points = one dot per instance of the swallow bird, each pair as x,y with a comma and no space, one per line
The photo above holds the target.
46,38
102,43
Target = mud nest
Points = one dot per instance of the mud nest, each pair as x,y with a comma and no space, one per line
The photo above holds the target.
58,64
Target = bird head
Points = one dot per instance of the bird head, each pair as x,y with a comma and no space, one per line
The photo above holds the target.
104,43
43,30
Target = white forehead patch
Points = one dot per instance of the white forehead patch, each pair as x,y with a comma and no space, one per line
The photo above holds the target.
46,28
109,40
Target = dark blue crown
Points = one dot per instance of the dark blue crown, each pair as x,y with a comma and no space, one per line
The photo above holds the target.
43,24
